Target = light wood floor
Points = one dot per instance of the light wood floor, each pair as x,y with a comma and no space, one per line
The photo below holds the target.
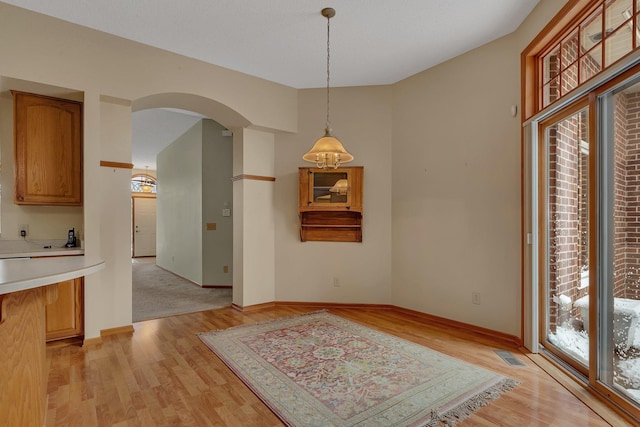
162,375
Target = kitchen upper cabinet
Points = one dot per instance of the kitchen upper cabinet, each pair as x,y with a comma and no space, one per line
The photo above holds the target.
48,150
65,315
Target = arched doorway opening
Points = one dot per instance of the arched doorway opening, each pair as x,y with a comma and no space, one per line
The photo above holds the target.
195,198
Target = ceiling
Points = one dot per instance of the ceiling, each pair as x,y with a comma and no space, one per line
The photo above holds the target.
373,42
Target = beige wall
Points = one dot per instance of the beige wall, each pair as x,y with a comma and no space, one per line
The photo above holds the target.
194,173
253,218
108,305
456,184
456,189
48,53
179,206
217,194
195,186
361,119
45,222
51,51
440,149
136,171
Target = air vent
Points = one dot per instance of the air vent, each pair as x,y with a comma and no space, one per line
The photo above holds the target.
509,358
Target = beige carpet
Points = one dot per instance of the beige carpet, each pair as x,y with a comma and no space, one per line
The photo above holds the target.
159,293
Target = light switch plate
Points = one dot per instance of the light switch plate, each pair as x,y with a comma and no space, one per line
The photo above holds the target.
226,212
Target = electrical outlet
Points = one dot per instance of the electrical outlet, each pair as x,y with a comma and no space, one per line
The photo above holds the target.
336,282
475,298
23,229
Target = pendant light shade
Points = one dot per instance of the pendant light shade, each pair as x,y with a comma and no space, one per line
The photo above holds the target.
328,151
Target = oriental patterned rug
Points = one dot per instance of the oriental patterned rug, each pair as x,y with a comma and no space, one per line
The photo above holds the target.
322,370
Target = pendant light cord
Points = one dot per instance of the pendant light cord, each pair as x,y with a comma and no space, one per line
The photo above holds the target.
328,128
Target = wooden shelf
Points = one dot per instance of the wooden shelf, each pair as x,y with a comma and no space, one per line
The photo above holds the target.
329,226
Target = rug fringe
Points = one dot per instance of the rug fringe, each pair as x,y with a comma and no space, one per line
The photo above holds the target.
264,322
465,410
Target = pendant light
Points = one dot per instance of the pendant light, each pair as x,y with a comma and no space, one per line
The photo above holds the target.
328,152
147,184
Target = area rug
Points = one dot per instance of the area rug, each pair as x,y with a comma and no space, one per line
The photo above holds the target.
322,370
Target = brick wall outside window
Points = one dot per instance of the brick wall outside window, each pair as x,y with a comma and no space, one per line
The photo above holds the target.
568,205
628,138
565,195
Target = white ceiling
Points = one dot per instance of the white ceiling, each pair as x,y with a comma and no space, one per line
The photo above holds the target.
373,42
153,130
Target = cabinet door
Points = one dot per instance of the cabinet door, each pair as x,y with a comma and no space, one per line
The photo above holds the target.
330,204
65,316
48,150
330,190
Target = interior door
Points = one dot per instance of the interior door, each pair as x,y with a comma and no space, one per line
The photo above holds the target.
144,226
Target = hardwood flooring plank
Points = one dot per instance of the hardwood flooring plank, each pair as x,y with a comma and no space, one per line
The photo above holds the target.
163,375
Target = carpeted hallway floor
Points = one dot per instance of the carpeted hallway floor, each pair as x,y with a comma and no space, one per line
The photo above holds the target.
159,293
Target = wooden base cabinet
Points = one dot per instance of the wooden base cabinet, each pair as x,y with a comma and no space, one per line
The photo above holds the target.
23,371
65,315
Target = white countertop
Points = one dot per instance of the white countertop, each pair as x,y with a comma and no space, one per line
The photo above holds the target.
36,248
20,274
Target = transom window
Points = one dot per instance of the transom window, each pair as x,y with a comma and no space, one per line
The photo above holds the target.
143,183
607,32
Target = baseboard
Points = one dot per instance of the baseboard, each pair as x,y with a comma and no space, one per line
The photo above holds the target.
116,331
422,317
216,286
255,307
128,329
332,305
467,327
92,341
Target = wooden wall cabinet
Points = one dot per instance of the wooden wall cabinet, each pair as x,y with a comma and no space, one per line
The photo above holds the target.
48,150
330,204
64,317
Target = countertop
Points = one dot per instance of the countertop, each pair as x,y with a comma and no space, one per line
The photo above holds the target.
20,274
36,248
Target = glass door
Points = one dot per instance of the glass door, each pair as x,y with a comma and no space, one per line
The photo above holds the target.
618,292
589,246
564,225
588,238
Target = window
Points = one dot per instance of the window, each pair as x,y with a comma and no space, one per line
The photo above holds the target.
605,32
143,183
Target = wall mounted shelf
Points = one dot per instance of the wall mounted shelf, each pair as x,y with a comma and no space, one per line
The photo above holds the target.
330,204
